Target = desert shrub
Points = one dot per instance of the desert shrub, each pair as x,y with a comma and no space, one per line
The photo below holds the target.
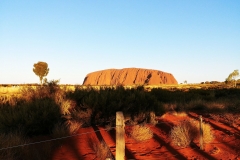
10,140
197,105
60,130
163,95
233,106
65,129
73,127
216,107
29,94
52,85
183,134
82,115
48,90
141,133
60,96
105,102
34,118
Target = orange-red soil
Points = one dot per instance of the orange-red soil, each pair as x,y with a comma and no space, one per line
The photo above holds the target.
225,146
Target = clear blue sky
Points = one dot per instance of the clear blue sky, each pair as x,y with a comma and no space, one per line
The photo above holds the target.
194,40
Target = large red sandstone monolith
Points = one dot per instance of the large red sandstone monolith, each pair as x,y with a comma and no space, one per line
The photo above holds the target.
129,76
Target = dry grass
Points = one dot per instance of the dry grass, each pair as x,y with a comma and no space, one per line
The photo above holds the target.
8,99
66,129
187,131
59,96
207,133
152,118
183,134
66,106
84,117
181,114
141,133
100,149
9,90
140,118
73,127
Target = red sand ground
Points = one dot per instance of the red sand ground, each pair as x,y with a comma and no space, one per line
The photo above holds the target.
226,145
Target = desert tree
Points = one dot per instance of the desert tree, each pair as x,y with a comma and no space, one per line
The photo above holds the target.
41,70
233,76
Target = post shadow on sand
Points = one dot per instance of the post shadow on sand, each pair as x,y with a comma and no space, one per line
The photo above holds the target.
72,145
209,117
201,152
235,128
99,136
173,151
166,128
220,129
215,126
177,154
112,133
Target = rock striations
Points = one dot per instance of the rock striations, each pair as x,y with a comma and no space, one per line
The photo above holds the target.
129,76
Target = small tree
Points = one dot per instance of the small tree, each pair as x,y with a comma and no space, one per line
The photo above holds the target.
233,76
41,70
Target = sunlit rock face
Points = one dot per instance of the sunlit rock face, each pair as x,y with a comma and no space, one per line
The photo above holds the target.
129,76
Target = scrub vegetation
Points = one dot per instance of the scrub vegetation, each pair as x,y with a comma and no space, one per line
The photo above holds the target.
57,111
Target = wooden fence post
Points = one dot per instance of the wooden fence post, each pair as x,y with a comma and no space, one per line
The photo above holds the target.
201,133
120,141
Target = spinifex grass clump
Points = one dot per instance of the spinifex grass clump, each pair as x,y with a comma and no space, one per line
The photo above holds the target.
183,134
188,131
141,133
207,133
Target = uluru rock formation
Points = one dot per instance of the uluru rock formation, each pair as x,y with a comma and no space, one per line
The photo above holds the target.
129,76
